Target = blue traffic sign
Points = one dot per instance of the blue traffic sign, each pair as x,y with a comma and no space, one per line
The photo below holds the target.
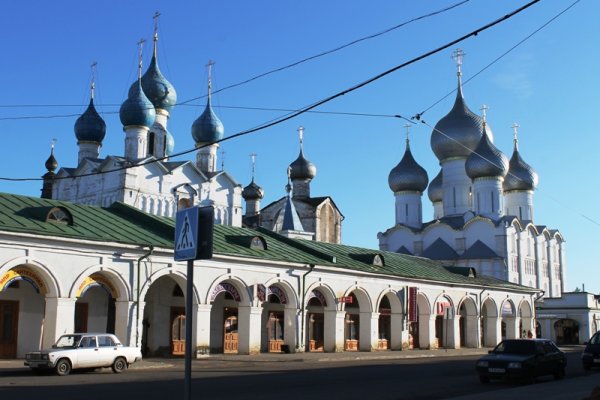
186,234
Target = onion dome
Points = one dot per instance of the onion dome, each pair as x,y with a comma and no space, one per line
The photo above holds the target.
253,192
486,160
408,175
521,176
137,110
207,127
435,191
90,127
301,168
458,133
156,87
51,163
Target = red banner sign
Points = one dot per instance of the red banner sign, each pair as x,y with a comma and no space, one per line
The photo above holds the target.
347,299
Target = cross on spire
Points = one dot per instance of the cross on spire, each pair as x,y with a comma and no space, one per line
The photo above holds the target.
209,65
458,55
155,18
52,143
484,109
301,136
93,85
253,158
515,127
407,127
141,45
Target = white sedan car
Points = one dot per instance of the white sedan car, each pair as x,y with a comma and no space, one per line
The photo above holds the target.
84,350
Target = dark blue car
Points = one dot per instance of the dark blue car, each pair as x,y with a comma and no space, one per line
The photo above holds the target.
522,359
591,355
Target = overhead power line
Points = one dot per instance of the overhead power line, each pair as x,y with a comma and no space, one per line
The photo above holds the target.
316,104
261,75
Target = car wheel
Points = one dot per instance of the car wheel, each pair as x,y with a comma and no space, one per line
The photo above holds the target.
119,365
63,367
484,379
559,373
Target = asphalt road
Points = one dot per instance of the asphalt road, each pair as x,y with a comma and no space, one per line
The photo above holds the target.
425,378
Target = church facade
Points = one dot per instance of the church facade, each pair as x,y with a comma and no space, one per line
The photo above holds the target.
483,206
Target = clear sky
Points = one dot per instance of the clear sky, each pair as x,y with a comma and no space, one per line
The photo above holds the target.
548,85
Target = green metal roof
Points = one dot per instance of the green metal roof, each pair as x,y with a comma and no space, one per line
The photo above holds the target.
121,223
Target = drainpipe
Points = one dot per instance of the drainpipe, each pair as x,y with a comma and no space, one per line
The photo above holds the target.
303,307
137,303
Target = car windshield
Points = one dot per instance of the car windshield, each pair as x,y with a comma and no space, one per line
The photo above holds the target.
516,347
67,341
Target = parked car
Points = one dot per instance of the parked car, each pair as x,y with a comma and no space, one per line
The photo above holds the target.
591,355
522,359
84,350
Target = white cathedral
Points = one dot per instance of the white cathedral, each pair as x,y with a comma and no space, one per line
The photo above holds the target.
483,214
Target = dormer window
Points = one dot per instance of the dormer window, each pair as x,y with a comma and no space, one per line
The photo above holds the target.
258,243
59,215
378,260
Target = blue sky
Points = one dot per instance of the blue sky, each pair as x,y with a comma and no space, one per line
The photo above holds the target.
548,85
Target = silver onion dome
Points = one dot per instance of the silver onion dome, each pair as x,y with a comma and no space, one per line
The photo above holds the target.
486,161
521,176
301,168
408,175
435,191
458,133
253,192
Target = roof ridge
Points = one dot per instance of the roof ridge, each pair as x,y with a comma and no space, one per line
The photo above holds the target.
296,244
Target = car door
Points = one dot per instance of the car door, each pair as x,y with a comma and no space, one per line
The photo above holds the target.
553,358
87,352
107,349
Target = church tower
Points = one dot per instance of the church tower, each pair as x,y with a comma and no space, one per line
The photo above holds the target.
206,130
163,97
253,193
302,171
453,139
519,184
408,180
137,115
90,128
487,166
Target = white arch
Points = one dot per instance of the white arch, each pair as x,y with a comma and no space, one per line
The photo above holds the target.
364,300
289,290
241,286
177,276
325,290
393,298
123,289
50,280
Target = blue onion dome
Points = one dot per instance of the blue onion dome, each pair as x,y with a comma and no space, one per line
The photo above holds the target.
435,190
170,143
157,88
90,127
253,192
521,176
207,127
486,160
458,133
137,110
301,168
408,175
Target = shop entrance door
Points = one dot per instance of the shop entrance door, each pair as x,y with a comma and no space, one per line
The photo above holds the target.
178,331
230,337
9,321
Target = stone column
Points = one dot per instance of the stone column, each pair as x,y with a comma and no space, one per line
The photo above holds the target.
399,332
472,331
201,329
59,319
336,334
291,319
249,329
369,334
125,322
451,332
427,331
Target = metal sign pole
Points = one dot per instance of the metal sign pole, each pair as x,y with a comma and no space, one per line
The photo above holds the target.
188,330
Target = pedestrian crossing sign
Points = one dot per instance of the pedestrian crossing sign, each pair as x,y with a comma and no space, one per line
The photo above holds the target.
186,234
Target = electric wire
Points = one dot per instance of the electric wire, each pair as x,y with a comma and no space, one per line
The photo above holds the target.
305,109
